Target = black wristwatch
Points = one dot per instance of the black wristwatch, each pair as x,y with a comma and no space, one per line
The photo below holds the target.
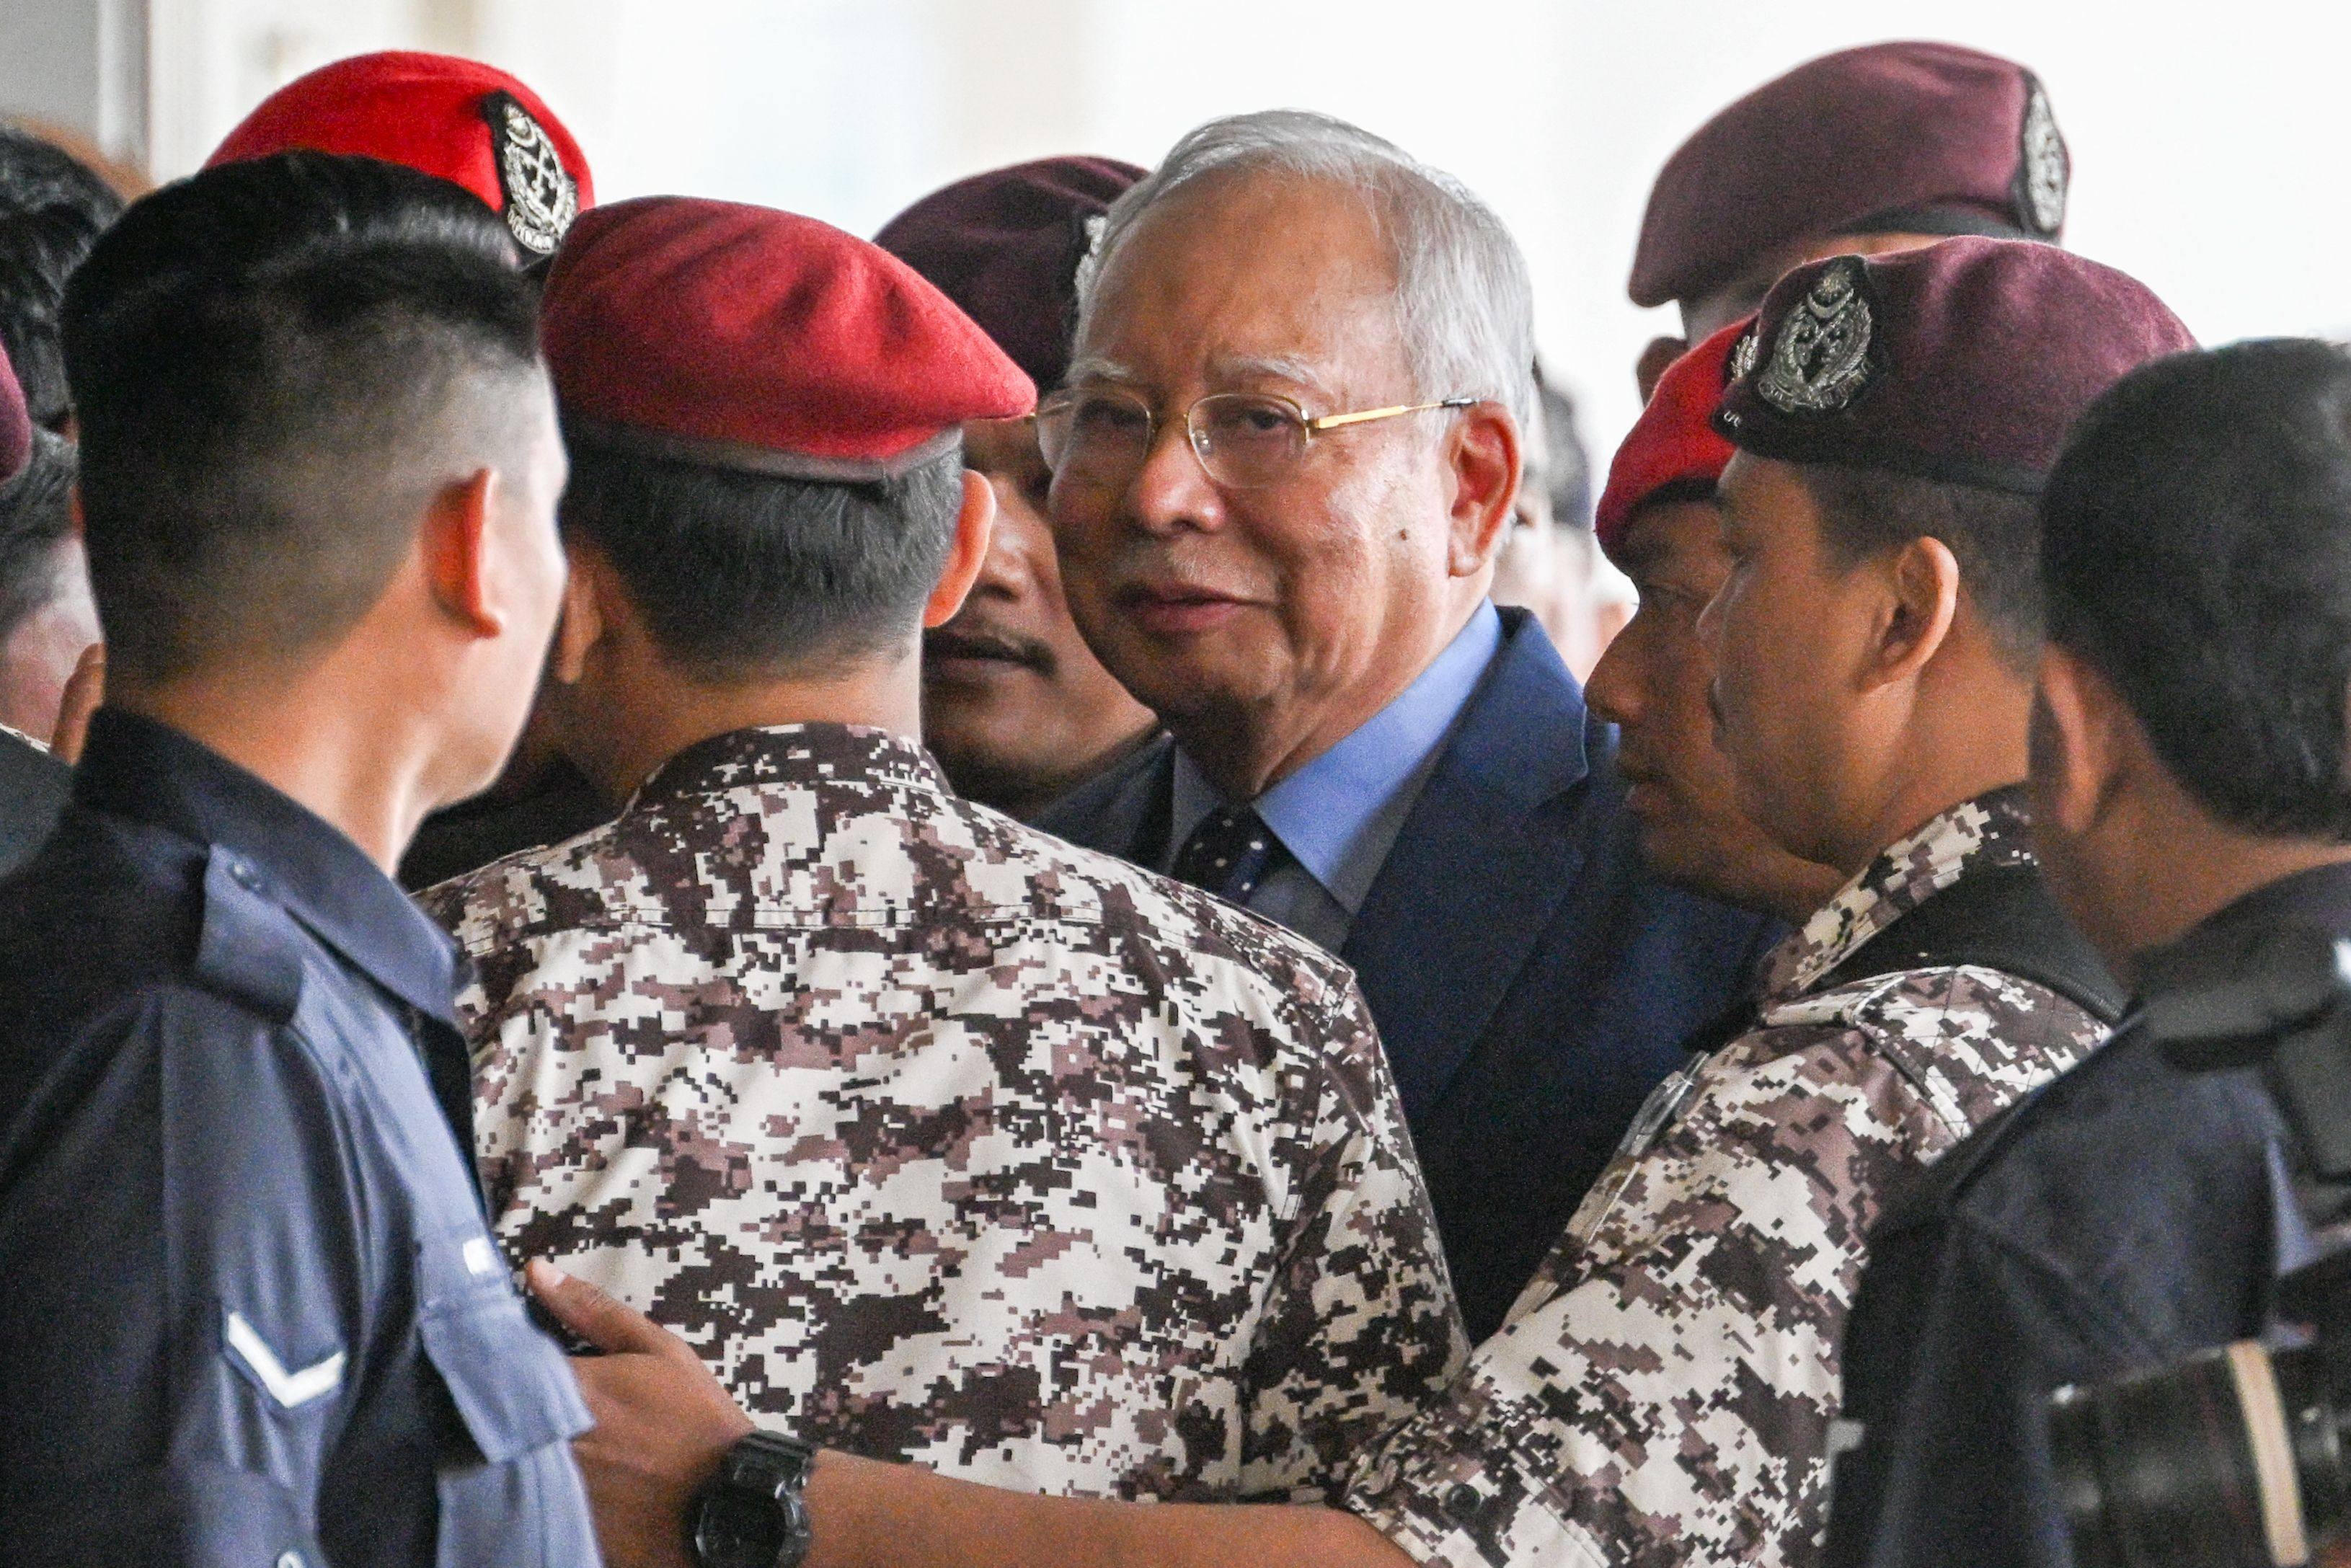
754,1513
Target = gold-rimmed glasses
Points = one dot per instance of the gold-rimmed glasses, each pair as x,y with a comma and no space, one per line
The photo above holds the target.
1103,436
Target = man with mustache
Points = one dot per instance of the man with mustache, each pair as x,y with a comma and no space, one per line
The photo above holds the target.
1015,706
947,1141
1290,442
1865,152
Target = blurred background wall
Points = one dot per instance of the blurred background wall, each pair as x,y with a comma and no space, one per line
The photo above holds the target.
2206,138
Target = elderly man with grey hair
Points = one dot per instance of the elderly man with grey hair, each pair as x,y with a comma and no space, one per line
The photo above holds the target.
1284,460
1288,446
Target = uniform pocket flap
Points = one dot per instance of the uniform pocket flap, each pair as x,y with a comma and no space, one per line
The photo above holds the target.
508,1382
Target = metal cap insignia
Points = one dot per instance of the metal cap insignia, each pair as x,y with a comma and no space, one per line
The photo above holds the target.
542,198
1743,352
1820,359
2043,168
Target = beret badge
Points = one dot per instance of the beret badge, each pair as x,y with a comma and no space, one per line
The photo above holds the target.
2042,171
1820,358
542,198
1744,353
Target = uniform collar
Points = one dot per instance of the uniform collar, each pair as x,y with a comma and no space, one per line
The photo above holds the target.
804,754
137,768
1990,831
1340,813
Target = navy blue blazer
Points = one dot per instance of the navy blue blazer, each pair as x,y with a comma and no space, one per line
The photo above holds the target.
1530,980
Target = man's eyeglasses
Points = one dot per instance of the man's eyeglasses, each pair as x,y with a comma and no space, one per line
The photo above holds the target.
1244,440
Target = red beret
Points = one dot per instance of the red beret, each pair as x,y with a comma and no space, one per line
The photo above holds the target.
1674,446
745,338
1892,138
1005,247
460,120
16,423
1966,361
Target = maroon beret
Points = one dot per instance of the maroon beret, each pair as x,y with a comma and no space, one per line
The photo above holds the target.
1005,247
16,423
1905,138
1965,361
745,338
456,118
1673,452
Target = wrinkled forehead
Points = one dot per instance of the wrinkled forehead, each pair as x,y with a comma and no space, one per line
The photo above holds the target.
1246,276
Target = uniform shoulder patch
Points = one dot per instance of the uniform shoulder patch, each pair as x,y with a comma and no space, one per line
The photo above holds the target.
2043,167
1823,353
542,198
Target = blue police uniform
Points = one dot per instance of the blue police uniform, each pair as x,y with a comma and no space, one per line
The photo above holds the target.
2128,1215
252,1313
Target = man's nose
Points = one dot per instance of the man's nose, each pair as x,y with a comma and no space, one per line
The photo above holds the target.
1613,692
1172,492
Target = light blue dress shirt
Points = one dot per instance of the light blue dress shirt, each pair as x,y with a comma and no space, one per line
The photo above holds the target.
1340,814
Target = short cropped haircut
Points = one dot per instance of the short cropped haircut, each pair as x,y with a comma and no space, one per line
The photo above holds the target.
52,209
1993,535
743,575
2196,549
1463,302
36,517
276,364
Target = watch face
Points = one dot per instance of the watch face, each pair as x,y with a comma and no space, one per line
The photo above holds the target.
733,1531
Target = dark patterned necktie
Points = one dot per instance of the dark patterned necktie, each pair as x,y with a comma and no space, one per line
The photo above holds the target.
1229,853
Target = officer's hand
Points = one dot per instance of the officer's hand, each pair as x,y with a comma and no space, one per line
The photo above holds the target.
663,1422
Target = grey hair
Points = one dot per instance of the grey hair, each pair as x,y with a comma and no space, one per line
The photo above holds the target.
1464,305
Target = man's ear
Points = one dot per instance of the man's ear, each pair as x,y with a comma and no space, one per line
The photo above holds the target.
589,597
2078,744
456,545
975,526
1655,360
1922,580
1486,460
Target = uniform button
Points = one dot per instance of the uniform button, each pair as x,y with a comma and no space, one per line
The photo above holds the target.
245,877
289,1560
1461,1503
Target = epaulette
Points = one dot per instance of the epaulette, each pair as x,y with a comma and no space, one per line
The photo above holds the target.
246,944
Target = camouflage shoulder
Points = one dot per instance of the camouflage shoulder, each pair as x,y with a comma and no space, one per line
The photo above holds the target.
1176,913
488,909
1969,1037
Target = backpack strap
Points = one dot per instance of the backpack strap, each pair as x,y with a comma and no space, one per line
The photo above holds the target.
2002,918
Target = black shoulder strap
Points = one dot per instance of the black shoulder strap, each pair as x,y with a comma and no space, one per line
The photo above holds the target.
2000,918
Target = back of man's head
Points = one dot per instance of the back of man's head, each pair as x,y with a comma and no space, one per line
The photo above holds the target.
2196,552
276,365
52,209
754,577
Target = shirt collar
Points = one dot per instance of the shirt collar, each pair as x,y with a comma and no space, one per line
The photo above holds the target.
137,768
793,754
1340,813
1990,831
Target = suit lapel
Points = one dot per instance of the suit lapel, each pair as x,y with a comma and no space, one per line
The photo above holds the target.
1125,811
1484,859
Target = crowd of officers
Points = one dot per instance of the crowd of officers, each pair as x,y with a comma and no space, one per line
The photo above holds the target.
1004,929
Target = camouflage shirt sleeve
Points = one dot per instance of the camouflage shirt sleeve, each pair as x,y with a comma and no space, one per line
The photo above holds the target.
1663,1392
1359,1329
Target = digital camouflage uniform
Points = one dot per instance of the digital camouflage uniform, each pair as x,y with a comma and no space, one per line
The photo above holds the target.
946,1141
1663,1390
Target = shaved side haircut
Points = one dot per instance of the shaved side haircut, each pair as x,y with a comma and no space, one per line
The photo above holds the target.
276,365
